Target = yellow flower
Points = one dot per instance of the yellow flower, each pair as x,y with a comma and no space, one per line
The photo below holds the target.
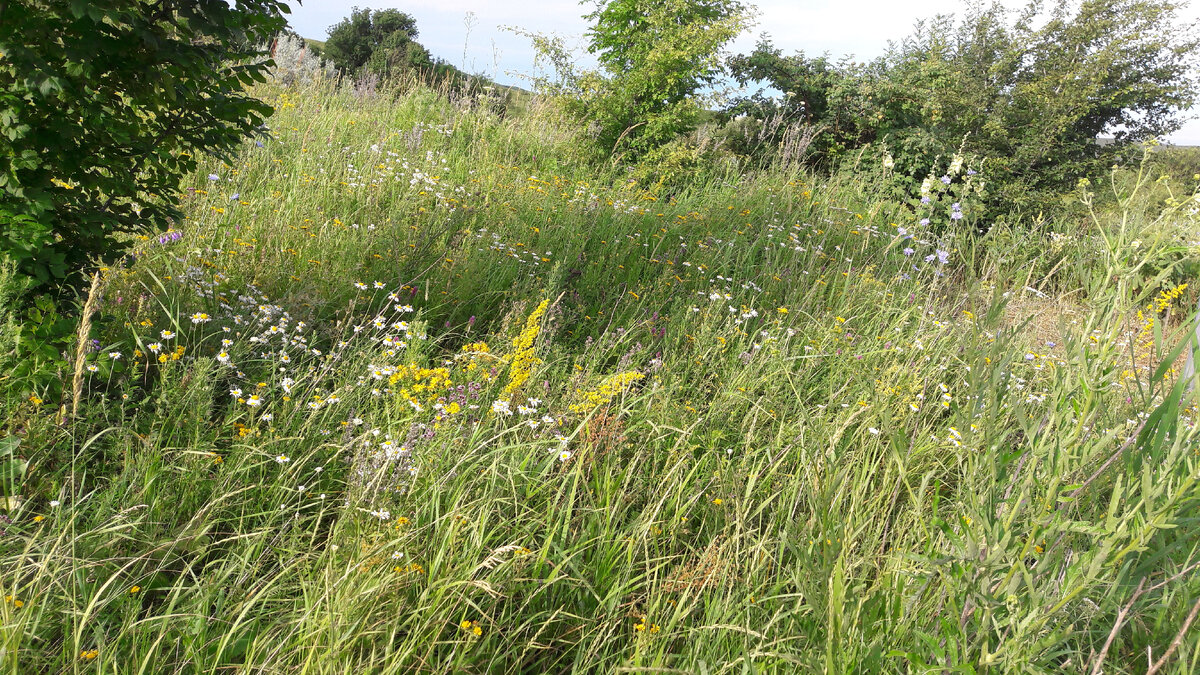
89,654
476,347
523,359
135,590
718,501
606,392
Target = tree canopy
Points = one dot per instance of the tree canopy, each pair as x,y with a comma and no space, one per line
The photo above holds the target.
382,41
1030,91
656,55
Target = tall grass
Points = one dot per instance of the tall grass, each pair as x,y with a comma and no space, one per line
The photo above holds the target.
419,387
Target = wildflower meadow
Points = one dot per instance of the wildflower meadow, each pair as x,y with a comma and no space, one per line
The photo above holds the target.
417,386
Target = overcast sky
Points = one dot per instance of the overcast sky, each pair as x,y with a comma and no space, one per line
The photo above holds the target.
860,28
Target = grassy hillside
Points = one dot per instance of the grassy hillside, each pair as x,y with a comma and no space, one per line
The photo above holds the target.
416,388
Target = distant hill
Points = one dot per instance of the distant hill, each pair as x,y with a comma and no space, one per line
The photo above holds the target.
511,91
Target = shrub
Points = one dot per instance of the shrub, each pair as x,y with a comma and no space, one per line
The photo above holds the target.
299,63
1034,100
654,58
103,108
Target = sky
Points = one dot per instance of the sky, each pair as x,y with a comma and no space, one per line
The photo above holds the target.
474,35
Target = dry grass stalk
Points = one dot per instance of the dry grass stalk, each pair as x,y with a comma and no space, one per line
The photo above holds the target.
81,341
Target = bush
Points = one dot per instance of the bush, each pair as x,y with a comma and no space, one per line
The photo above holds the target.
297,62
655,57
1032,100
104,106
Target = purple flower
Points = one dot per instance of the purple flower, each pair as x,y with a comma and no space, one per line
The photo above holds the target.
235,197
908,251
943,256
929,258
213,177
925,200
902,232
956,215
945,180
956,206
971,172
924,221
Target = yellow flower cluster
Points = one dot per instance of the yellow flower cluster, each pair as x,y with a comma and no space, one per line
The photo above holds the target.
1165,298
1160,304
429,383
173,356
523,359
643,627
472,352
607,391
474,347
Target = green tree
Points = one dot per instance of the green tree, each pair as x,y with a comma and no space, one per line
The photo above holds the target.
813,94
382,41
656,55
104,106
1034,99
1030,91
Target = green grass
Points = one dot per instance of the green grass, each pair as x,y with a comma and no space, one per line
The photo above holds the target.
831,461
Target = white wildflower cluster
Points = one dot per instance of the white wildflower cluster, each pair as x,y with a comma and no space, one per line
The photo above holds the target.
296,63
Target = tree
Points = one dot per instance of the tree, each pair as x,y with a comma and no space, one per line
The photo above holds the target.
397,54
383,41
104,106
1031,98
1035,100
812,88
656,55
